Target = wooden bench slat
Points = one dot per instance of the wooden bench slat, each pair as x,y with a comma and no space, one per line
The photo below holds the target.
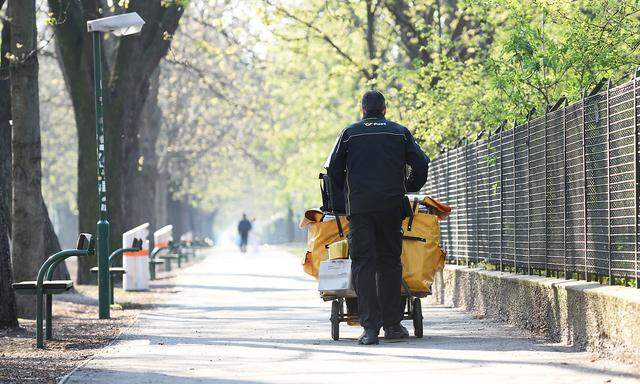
113,270
50,287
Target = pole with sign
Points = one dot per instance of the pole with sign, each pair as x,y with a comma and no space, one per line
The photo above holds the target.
119,25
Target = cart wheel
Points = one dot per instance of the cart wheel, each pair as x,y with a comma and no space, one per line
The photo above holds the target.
417,317
335,320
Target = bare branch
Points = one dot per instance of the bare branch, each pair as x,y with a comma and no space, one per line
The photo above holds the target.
324,37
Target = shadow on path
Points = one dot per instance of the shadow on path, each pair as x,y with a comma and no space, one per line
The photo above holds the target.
149,377
430,345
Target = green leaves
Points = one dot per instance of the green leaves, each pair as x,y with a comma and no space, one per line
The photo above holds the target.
539,50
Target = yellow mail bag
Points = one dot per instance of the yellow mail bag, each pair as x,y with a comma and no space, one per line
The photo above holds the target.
323,231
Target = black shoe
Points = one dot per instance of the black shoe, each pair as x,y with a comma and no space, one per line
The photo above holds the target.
369,337
396,332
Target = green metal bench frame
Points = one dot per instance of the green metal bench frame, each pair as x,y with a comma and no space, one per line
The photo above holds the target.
186,250
84,248
174,253
135,247
153,260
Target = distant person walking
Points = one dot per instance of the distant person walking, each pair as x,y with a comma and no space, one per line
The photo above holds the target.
244,226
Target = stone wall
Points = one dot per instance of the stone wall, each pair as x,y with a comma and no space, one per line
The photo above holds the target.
590,316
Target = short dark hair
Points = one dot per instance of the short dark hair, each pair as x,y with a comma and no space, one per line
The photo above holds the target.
373,102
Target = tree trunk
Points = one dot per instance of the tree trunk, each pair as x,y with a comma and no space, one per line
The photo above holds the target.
140,186
66,226
291,230
5,126
28,222
74,47
52,245
208,230
202,223
137,59
162,199
179,217
8,314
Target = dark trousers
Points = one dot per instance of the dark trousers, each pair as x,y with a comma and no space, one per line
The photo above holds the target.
244,239
375,247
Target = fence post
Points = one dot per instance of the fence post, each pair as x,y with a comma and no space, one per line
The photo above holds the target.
466,201
584,182
476,224
488,187
564,177
515,205
447,247
501,196
458,214
546,197
528,144
610,277
636,169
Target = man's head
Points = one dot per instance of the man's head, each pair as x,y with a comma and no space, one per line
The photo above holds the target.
373,104
244,216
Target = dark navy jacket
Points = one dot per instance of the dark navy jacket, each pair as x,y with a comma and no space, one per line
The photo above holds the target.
244,226
369,163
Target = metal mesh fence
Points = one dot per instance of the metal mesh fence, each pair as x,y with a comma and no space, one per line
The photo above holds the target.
556,196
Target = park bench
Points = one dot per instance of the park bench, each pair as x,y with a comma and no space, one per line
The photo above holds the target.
43,285
167,252
164,249
153,262
153,259
118,271
187,250
202,243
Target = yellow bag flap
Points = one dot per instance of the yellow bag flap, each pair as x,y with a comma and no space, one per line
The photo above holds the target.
320,235
441,210
311,216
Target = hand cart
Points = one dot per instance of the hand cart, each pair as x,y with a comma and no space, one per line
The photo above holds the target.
341,313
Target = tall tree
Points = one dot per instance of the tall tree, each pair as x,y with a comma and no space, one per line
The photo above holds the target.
146,173
27,224
8,315
127,80
75,53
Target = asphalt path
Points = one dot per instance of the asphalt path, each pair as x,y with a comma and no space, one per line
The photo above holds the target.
257,318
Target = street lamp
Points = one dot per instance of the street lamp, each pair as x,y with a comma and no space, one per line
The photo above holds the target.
119,25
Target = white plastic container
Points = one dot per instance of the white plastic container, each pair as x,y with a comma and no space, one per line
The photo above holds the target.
136,264
163,236
334,278
187,237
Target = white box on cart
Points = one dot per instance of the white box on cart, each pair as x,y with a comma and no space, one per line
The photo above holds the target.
334,278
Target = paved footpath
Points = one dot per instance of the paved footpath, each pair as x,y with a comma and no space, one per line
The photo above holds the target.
256,318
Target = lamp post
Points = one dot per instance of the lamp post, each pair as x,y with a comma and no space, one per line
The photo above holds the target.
119,25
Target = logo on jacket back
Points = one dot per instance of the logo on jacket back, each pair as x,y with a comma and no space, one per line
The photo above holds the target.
374,124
